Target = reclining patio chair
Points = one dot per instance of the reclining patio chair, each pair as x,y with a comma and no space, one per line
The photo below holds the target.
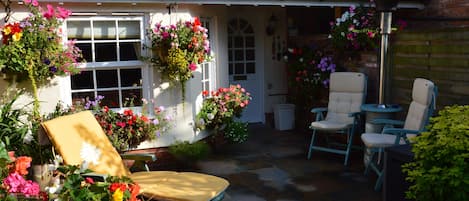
71,135
346,94
420,110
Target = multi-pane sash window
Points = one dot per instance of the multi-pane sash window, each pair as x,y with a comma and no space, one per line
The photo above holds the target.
111,47
208,68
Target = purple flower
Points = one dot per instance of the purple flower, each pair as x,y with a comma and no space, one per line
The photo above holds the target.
46,61
156,121
53,69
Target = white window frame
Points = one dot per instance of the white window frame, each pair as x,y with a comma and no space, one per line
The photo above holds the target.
211,65
113,65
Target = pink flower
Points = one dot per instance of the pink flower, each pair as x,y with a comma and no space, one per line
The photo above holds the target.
370,34
89,180
50,12
13,182
63,13
34,2
242,105
30,188
192,66
121,124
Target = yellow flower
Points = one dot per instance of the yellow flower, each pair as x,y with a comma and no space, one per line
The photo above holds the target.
17,36
118,195
7,30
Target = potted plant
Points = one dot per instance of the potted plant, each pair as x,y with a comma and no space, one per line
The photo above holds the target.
439,170
32,49
178,49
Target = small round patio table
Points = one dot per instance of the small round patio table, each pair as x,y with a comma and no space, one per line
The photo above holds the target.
378,111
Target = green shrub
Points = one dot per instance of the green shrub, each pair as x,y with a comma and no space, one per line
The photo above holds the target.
236,131
189,151
440,170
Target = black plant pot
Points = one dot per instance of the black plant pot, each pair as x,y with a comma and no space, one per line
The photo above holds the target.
385,5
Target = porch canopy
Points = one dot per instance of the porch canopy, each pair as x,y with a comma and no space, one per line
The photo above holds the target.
308,3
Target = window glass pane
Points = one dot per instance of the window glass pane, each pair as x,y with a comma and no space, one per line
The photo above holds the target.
131,77
239,42
129,29
104,30
242,24
79,30
84,80
106,52
249,41
106,78
230,68
250,68
206,71
230,55
250,55
249,29
129,51
239,68
85,51
81,98
111,98
206,86
239,55
230,42
132,97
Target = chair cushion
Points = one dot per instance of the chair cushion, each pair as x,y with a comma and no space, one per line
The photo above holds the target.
417,115
179,185
347,82
378,140
329,125
75,135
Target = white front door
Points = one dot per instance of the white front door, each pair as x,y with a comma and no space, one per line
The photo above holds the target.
244,59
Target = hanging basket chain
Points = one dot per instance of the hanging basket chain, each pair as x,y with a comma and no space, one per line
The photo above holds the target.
6,4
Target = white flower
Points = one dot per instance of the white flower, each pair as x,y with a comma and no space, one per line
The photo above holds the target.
90,153
290,50
329,36
28,137
342,34
301,59
210,116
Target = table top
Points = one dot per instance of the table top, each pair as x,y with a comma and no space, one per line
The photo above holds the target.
378,108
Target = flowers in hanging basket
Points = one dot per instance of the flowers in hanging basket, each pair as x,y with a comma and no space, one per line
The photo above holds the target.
179,48
308,68
34,45
221,106
356,29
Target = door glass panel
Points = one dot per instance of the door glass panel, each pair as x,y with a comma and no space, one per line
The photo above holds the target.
250,55
250,41
239,42
250,68
106,78
239,55
239,68
131,77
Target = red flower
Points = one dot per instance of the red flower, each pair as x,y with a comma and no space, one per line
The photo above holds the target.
106,109
144,118
128,112
134,190
121,124
114,186
196,24
205,93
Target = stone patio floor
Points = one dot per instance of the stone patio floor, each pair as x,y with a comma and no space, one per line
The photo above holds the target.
272,166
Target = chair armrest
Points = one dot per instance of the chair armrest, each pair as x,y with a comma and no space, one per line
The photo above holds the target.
400,133
390,122
140,159
319,109
319,112
356,114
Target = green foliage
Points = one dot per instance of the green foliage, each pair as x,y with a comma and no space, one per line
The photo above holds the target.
78,186
12,129
237,132
189,151
440,171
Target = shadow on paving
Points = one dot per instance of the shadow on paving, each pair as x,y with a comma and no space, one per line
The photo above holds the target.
272,166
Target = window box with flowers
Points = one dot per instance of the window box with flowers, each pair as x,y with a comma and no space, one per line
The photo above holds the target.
32,49
126,130
178,49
